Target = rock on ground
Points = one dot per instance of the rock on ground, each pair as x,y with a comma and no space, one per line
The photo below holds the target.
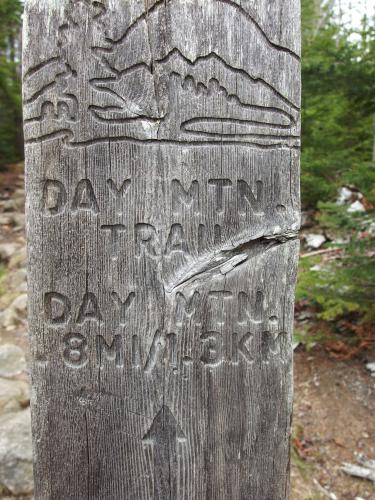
14,395
371,368
18,259
20,303
14,313
12,361
357,206
315,241
8,250
16,469
18,280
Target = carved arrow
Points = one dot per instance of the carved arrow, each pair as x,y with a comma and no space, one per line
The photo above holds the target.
164,434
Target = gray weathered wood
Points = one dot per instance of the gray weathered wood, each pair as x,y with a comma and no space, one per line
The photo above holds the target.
162,160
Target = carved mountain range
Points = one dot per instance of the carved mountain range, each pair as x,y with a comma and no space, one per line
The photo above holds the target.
187,103
146,87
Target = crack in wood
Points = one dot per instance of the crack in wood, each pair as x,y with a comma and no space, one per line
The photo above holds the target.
225,261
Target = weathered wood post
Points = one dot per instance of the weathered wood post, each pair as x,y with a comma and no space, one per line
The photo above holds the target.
162,159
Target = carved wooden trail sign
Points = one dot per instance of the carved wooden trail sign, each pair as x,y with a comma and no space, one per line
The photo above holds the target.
162,158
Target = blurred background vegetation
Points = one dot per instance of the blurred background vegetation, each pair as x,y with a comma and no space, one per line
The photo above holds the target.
336,288
11,144
338,158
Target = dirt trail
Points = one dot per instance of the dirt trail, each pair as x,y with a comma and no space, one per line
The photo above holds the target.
334,419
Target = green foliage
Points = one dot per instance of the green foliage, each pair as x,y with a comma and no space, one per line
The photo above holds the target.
10,82
338,105
338,134
336,218
343,286
308,338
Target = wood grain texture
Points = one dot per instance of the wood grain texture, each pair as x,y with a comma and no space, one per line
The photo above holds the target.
162,161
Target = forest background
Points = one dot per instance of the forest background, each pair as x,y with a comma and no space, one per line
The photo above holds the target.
336,287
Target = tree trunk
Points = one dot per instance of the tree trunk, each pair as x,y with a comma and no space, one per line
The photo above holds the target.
162,160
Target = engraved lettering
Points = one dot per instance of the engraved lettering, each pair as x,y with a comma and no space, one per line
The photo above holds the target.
235,348
75,355
164,350
84,197
202,237
218,239
156,351
114,231
281,209
120,192
219,185
182,197
54,197
212,349
56,308
176,241
245,310
273,344
111,352
172,350
243,347
267,345
240,346
186,307
123,306
136,351
273,320
246,197
146,240
89,309
217,299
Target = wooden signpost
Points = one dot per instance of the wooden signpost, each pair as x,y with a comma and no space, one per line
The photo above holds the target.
162,160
